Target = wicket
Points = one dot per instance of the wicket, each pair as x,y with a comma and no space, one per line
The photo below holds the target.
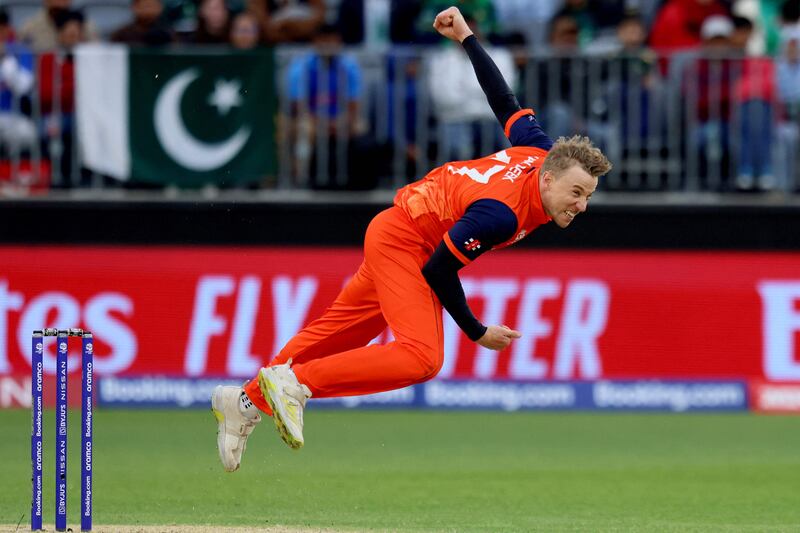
37,387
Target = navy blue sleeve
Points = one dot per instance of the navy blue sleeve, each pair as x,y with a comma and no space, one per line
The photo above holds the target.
499,95
441,273
526,131
486,223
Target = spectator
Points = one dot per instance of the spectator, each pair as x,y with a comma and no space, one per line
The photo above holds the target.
213,23
391,111
754,93
593,16
564,34
790,15
679,22
788,72
742,33
556,79
40,32
364,22
707,84
288,21
146,28
17,131
752,13
788,131
714,87
629,118
56,74
56,67
632,35
245,31
467,125
324,88
400,119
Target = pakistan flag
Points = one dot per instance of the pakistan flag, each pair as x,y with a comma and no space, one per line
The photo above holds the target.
176,117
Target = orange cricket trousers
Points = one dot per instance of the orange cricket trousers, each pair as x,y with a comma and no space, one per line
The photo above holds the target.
331,355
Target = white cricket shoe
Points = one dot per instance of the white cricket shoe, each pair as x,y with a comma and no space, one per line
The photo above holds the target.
287,398
233,427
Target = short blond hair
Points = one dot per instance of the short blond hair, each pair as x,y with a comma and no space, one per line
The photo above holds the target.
576,150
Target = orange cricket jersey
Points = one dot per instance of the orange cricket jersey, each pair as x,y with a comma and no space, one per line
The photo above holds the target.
510,176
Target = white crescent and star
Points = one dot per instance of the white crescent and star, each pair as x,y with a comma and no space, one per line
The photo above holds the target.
183,147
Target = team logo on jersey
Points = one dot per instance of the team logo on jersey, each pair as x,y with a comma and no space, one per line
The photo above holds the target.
472,244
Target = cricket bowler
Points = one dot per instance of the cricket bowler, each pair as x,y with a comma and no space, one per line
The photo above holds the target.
412,254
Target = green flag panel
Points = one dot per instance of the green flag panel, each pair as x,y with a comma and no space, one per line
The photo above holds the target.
201,118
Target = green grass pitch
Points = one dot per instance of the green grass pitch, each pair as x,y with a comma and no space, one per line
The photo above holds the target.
426,471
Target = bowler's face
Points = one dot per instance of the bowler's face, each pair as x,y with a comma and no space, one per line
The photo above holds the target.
566,196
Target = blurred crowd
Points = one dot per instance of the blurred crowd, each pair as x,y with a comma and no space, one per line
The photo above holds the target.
738,61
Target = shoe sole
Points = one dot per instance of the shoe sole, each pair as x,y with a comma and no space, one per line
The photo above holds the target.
220,433
267,388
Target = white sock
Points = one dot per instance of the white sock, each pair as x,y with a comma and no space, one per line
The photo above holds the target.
246,407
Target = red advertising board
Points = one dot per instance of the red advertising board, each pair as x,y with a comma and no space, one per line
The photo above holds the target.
584,315
775,397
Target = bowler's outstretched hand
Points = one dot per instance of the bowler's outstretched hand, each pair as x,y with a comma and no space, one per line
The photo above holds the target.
452,25
498,337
